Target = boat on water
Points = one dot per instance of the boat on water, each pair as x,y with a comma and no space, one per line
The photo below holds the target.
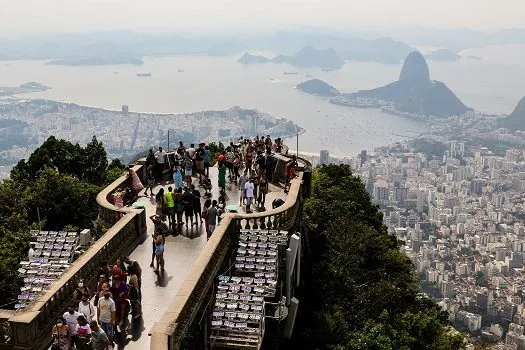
290,73
180,70
144,75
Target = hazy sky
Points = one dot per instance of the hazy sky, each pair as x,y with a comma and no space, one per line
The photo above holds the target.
41,16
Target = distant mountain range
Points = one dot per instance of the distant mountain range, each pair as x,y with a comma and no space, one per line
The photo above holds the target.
415,93
516,120
112,46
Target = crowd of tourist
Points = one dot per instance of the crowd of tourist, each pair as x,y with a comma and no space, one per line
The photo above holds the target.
95,317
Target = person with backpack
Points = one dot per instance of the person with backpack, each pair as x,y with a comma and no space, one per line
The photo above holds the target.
86,308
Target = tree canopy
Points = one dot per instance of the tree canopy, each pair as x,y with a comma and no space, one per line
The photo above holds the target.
361,291
59,181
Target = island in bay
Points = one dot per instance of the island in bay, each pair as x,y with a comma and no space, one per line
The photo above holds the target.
305,58
318,87
24,88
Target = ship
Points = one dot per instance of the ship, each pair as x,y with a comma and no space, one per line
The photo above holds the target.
148,75
290,73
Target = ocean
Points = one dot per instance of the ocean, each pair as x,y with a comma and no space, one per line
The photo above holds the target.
193,83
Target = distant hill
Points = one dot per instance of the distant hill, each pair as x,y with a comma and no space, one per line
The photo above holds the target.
443,55
248,58
318,87
311,57
414,92
516,120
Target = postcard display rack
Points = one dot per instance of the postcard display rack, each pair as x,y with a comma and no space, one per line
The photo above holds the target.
53,254
238,315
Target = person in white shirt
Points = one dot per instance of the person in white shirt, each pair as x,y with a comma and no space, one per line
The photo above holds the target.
191,151
248,188
71,318
160,159
86,308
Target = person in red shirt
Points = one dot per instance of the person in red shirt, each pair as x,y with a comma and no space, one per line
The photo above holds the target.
290,173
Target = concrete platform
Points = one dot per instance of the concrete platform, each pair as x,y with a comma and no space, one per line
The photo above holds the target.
180,254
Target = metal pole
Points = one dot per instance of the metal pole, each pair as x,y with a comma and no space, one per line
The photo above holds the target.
297,151
168,141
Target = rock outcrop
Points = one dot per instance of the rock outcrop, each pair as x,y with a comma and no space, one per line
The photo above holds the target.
415,68
414,92
516,120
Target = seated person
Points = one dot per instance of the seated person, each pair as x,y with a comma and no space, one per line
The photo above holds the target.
206,184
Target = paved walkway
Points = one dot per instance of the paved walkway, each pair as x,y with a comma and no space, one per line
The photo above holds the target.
181,252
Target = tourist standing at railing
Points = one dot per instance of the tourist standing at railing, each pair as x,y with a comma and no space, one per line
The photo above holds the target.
177,176
150,176
249,159
188,169
61,335
212,218
249,188
196,204
187,202
236,166
160,161
170,204
161,210
199,161
205,209
179,206
242,192
207,160
222,177
290,173
263,191
136,185
181,150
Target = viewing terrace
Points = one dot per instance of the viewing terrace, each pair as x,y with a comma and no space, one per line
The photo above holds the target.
176,302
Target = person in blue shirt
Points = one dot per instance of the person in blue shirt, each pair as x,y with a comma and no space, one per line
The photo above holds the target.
207,160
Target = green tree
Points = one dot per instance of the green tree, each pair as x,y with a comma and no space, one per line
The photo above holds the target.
62,200
95,163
